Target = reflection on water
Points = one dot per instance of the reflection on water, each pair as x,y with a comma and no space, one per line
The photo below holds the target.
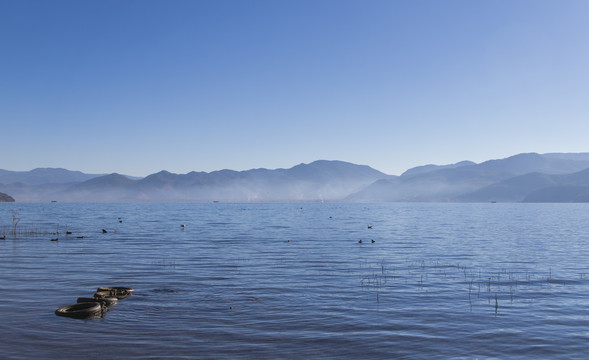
292,280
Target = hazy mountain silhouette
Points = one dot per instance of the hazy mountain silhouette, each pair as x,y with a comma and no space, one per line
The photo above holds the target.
534,187
320,180
420,170
41,176
531,162
568,156
24,192
562,193
531,177
474,182
511,190
113,187
42,184
568,188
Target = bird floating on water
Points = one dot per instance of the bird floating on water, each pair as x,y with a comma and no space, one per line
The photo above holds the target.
104,231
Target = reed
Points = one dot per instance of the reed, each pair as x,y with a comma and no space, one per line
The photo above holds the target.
15,220
17,229
28,231
423,276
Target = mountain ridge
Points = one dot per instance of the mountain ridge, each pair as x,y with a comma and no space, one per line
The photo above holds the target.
528,177
452,184
48,175
320,180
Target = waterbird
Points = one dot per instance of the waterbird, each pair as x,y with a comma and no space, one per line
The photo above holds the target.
120,220
56,239
360,241
373,241
182,226
68,232
3,237
370,226
104,231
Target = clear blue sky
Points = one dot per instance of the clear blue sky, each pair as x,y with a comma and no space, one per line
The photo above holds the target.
140,86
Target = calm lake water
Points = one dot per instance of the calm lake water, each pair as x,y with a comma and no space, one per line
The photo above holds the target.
292,281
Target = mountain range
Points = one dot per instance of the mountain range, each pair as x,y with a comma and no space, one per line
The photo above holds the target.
524,177
530,177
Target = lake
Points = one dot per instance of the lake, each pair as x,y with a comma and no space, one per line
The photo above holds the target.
292,281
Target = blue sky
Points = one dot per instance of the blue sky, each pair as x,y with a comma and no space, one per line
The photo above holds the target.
135,87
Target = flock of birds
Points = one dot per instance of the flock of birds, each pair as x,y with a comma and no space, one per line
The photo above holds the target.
66,233
104,231
182,226
372,241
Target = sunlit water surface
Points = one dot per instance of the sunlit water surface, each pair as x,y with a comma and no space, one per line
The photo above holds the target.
292,281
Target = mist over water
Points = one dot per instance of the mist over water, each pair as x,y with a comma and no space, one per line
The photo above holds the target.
292,280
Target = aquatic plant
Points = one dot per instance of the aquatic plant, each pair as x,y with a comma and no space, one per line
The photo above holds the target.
15,221
480,286
29,230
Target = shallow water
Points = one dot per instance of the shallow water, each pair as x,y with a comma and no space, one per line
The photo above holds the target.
292,281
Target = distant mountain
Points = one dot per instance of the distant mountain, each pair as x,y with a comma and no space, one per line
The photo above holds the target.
6,198
530,177
320,180
534,187
41,184
474,182
531,162
44,176
113,187
511,190
567,188
24,192
560,194
420,170
568,156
